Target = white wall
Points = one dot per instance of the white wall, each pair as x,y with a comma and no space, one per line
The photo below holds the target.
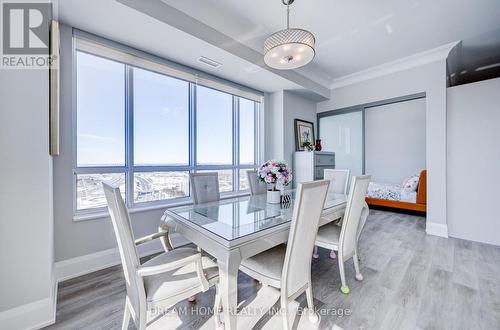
273,114
295,107
431,79
282,108
395,140
26,218
474,161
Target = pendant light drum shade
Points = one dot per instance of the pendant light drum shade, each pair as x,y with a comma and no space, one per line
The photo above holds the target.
289,49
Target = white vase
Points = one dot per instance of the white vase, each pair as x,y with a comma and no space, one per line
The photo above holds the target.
273,196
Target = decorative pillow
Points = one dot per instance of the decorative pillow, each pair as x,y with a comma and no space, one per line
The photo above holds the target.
410,184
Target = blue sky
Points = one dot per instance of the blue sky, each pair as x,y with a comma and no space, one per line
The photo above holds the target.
160,118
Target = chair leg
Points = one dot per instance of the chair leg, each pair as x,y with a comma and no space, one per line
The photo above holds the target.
313,317
356,252
315,252
143,321
284,312
332,254
344,288
355,259
126,316
217,306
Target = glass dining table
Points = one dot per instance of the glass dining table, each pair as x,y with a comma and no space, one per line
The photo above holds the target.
234,229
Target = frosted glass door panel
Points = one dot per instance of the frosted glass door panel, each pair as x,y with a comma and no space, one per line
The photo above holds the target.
395,140
343,134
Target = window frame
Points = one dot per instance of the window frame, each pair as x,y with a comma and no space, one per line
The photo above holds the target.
129,169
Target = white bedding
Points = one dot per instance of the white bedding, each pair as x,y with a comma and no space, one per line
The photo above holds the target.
408,196
391,192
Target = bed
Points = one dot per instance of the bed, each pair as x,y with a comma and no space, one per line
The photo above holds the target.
396,197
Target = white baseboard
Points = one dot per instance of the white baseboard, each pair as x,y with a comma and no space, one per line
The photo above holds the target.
74,267
34,315
436,229
41,313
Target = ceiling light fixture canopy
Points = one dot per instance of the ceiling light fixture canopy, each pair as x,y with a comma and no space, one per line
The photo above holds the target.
289,48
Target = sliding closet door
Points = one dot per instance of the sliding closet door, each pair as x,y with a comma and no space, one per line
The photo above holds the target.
343,134
395,140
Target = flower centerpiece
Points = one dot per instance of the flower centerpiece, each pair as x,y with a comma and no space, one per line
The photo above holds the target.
276,174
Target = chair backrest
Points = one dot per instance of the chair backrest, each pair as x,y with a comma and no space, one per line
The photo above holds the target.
339,180
362,220
352,215
204,187
256,186
126,246
309,203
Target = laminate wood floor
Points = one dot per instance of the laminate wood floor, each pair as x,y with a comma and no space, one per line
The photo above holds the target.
411,281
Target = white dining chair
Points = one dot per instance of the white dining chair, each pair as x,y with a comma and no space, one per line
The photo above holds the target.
339,180
362,220
344,239
204,187
288,267
256,186
162,281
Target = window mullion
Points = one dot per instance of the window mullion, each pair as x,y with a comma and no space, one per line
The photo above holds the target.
236,143
192,130
192,125
99,170
256,136
129,135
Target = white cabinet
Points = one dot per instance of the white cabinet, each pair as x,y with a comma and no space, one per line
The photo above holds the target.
309,165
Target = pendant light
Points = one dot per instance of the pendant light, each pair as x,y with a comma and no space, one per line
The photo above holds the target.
290,48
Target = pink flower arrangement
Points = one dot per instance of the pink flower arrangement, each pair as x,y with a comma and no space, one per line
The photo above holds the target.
276,173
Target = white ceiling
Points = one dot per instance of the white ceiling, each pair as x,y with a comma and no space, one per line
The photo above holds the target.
353,35
112,20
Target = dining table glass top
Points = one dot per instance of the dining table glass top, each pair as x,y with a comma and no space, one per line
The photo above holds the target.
237,217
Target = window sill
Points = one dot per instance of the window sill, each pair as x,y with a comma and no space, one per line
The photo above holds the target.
139,209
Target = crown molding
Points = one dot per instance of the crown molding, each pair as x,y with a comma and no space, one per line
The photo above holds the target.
405,63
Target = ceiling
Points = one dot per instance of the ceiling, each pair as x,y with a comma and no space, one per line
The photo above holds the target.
356,35
112,20
351,35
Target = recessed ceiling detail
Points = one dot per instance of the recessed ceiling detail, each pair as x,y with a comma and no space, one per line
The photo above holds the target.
210,36
233,33
353,36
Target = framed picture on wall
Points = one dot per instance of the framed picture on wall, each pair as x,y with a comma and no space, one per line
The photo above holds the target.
304,135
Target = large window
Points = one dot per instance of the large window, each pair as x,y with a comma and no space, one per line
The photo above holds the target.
161,119
146,131
214,127
101,120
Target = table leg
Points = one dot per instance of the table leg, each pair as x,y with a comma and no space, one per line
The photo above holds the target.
228,286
